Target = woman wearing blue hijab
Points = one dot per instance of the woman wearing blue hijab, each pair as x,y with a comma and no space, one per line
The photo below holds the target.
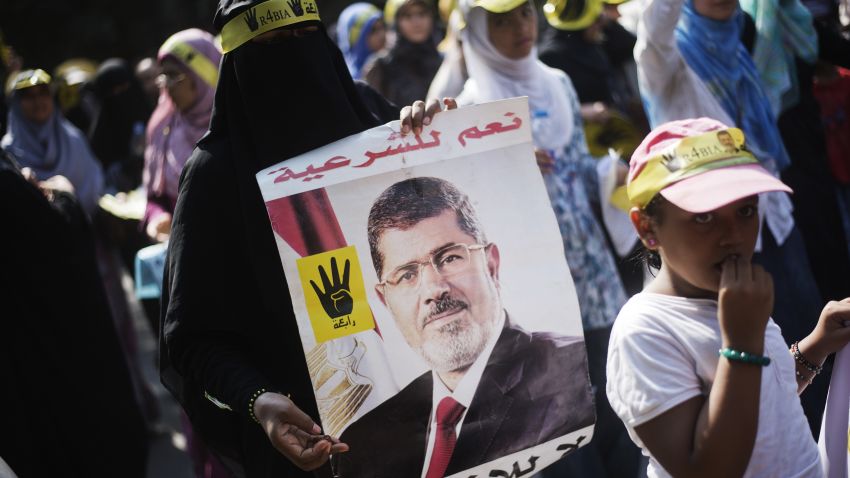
41,139
712,48
360,33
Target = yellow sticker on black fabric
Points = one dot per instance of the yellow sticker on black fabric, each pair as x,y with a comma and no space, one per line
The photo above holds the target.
335,294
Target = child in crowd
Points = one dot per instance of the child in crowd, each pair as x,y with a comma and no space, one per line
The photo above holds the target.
697,369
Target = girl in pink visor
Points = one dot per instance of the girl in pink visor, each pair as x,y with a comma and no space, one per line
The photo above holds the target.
697,370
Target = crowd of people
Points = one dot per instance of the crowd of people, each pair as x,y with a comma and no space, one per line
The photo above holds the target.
100,160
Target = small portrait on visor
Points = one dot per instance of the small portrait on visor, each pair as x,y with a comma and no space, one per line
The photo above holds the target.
727,142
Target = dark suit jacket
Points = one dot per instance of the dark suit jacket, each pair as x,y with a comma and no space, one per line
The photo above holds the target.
535,388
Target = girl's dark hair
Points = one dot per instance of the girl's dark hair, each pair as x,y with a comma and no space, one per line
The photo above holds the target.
649,258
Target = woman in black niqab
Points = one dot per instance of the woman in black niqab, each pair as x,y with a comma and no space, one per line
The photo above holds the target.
119,113
228,330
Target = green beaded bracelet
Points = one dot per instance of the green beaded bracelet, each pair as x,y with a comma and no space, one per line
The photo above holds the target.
732,354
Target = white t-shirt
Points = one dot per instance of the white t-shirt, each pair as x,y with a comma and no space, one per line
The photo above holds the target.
663,351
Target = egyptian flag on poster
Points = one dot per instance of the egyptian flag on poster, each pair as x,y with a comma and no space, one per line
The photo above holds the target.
834,441
344,377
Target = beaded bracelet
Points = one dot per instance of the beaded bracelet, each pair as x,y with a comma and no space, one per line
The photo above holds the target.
800,376
251,403
795,350
732,354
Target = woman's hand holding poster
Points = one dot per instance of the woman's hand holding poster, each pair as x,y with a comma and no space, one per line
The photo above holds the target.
433,299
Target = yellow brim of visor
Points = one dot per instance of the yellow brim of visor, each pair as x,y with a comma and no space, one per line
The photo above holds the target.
589,11
265,17
30,78
688,157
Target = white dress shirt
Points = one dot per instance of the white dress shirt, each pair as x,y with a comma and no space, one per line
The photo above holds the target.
463,393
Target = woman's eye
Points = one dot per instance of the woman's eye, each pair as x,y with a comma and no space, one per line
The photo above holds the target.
703,218
748,211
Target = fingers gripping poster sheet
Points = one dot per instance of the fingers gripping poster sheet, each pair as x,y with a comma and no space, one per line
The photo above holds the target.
433,299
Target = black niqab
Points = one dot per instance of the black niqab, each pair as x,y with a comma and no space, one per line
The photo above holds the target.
119,110
294,86
228,326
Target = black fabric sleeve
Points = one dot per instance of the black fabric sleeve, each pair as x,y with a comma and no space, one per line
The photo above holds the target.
619,44
383,109
832,47
211,313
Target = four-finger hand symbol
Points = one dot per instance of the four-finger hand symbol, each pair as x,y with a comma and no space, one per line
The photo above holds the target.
335,294
296,7
251,20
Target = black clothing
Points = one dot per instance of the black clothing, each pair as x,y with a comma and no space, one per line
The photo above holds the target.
228,328
594,68
816,210
117,130
67,407
383,109
404,73
833,47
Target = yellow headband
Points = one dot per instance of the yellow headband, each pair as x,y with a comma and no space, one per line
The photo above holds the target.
688,157
29,78
266,17
201,65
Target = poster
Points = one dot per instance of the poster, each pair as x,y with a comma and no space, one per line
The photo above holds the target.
435,305
834,440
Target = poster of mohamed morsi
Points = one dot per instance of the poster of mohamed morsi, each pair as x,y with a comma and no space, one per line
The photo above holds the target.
433,299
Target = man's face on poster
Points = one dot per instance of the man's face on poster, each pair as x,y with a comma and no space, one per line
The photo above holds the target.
446,317
726,141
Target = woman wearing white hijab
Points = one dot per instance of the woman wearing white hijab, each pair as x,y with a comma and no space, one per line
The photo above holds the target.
501,58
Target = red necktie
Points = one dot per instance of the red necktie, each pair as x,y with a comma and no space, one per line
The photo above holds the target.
448,414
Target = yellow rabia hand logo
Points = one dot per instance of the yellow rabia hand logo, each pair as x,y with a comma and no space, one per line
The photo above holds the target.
336,303
336,296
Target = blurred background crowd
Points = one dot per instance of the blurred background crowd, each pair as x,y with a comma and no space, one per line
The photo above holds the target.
102,104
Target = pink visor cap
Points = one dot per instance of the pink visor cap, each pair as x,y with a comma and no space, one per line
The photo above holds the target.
697,164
